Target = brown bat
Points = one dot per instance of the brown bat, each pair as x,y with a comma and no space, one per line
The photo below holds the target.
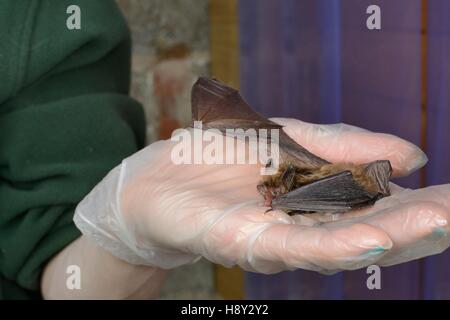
304,182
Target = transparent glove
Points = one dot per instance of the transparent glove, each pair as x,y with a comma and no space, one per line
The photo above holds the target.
151,211
416,221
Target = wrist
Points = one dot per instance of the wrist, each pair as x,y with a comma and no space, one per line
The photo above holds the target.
101,275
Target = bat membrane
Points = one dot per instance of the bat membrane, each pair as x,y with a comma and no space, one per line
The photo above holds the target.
304,183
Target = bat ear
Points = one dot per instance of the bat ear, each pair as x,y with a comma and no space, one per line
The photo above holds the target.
212,100
380,172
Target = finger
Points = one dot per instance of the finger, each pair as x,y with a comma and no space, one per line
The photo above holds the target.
290,246
417,221
227,239
345,143
419,228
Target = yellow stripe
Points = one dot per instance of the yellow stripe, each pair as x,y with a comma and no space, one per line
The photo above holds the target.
224,41
224,51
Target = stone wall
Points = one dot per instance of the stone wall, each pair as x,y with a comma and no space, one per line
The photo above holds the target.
170,50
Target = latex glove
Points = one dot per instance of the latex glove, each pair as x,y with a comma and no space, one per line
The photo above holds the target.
150,211
416,221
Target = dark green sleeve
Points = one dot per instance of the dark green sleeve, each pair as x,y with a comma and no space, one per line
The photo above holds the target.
65,121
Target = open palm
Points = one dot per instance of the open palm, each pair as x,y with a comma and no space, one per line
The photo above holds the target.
175,214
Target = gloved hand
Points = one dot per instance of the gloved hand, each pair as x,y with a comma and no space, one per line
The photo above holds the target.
151,211
416,221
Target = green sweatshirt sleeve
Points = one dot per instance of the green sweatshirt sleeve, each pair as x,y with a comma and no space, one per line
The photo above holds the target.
65,121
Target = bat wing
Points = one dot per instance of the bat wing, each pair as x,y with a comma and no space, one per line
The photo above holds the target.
221,107
339,192
213,101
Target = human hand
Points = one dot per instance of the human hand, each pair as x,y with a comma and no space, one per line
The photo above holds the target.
416,221
151,211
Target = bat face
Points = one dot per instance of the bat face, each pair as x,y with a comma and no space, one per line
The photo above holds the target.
304,182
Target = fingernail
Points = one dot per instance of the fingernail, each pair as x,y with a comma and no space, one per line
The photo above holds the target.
440,232
377,250
374,252
419,162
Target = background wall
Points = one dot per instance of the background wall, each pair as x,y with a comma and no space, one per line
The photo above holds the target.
317,61
313,60
170,49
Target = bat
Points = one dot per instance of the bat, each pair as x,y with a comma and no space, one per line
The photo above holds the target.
304,183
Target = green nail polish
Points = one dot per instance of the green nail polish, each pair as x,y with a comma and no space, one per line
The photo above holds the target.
377,250
440,232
